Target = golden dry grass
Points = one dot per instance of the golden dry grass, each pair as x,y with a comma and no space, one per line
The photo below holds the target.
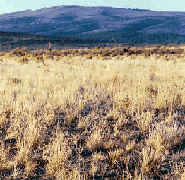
74,117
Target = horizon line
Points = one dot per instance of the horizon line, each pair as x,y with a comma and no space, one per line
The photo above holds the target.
48,7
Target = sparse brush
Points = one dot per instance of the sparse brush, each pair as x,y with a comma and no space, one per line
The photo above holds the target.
22,59
70,56
9,54
104,58
56,58
20,51
88,56
97,48
46,56
2,53
39,59
91,119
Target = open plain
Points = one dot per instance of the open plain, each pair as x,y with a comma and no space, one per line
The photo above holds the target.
101,113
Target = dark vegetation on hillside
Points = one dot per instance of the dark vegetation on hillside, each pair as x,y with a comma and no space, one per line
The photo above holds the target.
11,40
97,25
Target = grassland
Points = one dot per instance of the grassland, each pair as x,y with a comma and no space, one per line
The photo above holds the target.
112,113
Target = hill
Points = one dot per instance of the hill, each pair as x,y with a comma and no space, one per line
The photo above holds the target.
99,24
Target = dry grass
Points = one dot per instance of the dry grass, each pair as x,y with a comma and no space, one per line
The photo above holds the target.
75,116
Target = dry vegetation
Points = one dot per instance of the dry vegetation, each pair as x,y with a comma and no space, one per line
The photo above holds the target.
102,113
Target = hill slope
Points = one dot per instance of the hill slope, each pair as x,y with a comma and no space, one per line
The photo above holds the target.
103,23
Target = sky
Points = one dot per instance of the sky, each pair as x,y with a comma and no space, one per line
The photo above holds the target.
8,6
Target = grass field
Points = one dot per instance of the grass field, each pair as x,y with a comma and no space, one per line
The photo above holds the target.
92,117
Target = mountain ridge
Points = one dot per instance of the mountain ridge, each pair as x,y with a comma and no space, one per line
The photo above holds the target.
92,22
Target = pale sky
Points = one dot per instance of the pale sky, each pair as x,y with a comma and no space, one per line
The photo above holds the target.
7,6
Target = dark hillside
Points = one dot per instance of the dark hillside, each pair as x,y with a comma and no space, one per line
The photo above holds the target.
99,24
